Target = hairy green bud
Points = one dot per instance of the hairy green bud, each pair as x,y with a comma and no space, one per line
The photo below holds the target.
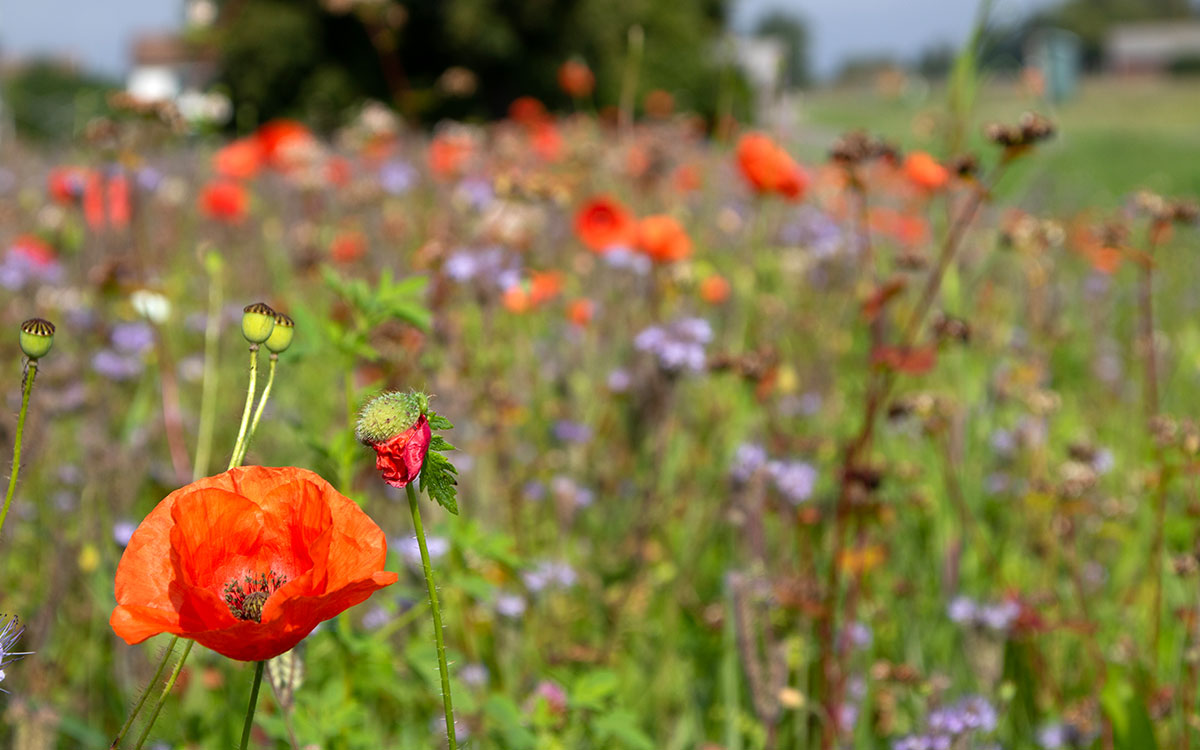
37,336
389,414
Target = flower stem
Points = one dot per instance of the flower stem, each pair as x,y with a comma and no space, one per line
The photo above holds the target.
162,664
258,673
447,704
235,459
258,411
162,697
30,374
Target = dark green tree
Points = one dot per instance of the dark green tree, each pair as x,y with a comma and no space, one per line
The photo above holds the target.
792,31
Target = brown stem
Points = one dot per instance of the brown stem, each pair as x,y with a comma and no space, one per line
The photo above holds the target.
878,389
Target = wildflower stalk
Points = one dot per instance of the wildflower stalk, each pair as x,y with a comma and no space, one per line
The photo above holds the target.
258,673
137,708
258,410
30,374
166,691
208,388
239,446
419,529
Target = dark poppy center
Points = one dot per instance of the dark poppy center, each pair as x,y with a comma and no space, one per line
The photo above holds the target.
246,597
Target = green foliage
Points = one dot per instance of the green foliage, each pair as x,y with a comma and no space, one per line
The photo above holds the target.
438,475
295,58
792,31
49,101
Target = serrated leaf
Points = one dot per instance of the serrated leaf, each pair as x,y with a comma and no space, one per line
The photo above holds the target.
438,422
439,444
438,481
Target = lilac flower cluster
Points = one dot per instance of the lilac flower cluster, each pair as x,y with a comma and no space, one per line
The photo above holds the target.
946,726
998,616
572,432
397,177
491,265
122,359
624,258
814,230
678,346
795,480
1061,735
571,493
549,573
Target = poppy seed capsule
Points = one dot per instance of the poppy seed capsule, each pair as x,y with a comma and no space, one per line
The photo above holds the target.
389,414
37,336
258,320
281,335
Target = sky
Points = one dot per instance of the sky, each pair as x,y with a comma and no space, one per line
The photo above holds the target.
97,33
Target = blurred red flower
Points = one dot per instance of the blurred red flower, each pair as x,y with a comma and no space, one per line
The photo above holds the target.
769,168
348,246
547,141
602,223
248,562
283,144
925,172
448,154
239,160
663,239
576,79
714,289
527,111
65,184
225,201
581,311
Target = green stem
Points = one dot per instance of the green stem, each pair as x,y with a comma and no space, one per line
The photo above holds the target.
235,459
208,388
258,672
30,374
162,664
447,704
258,411
162,697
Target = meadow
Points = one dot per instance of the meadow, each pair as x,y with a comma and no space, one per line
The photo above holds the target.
762,442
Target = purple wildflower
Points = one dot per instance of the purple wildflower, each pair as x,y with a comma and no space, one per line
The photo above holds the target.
397,177
747,461
9,635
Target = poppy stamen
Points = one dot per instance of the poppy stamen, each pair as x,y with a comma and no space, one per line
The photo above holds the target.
247,597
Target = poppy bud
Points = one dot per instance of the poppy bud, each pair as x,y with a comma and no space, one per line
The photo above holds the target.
258,320
281,335
37,336
395,425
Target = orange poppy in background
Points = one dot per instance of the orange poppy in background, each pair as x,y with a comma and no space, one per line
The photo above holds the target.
225,201
348,246
925,172
65,184
714,289
769,168
663,239
547,141
544,286
284,143
448,154
239,160
581,311
576,79
527,111
248,562
603,223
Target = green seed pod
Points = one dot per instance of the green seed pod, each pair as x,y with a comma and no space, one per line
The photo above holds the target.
281,335
389,414
258,320
37,336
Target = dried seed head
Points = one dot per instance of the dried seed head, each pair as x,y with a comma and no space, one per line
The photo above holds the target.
281,335
258,320
37,336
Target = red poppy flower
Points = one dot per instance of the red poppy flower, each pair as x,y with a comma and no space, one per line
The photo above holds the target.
248,562
547,142
119,206
224,200
285,144
663,239
348,246
714,289
576,79
925,172
65,184
769,168
448,154
400,459
240,159
603,223
527,111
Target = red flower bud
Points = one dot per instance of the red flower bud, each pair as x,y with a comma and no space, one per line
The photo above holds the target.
400,458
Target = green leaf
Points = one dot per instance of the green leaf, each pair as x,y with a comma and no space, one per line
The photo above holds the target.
591,689
439,444
439,482
621,727
438,422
